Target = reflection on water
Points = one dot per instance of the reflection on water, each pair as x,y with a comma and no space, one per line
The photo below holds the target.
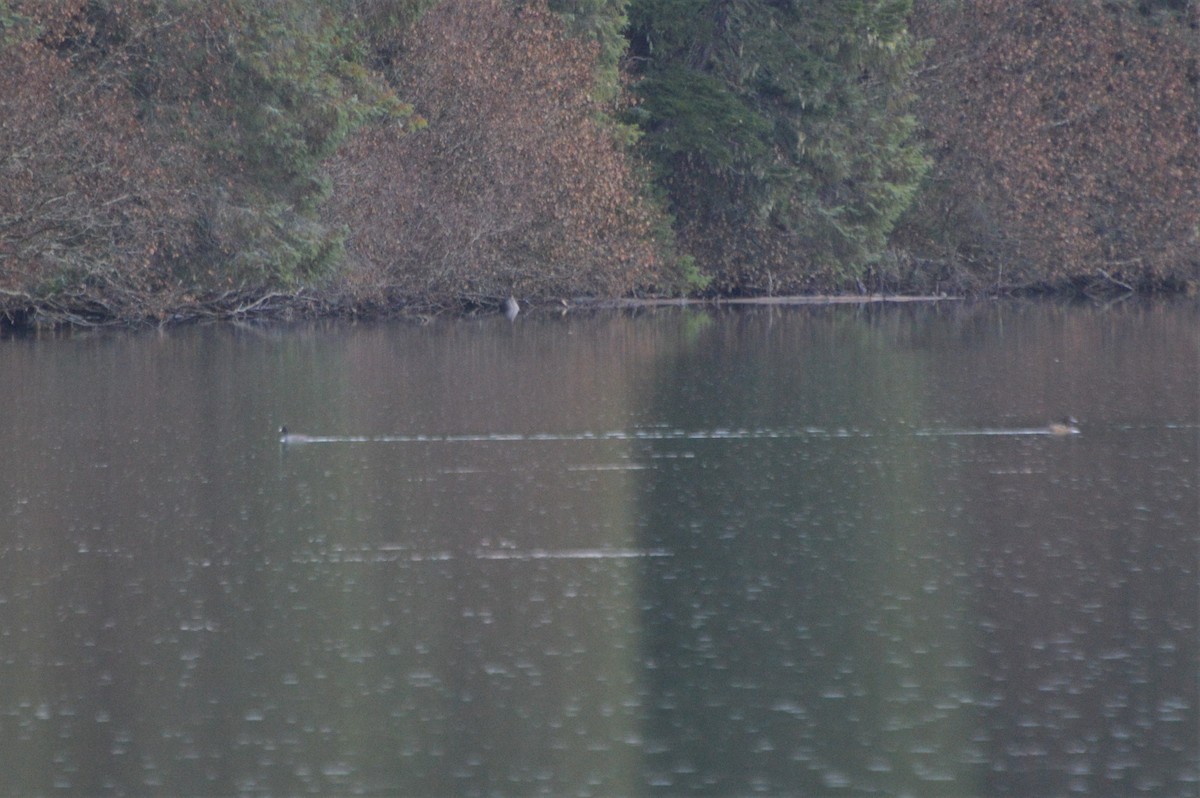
808,552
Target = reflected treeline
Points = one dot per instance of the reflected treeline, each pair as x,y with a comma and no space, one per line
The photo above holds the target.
892,614
805,638
768,581
196,610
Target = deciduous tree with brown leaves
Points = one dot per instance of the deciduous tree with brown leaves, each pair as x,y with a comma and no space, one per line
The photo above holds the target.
1066,138
161,155
515,185
84,196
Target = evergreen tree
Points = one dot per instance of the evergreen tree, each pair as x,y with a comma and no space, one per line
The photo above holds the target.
189,139
285,85
781,132
602,21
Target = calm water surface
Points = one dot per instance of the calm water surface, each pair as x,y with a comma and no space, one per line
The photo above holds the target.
785,552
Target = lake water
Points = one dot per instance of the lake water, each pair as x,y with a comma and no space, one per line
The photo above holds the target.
802,552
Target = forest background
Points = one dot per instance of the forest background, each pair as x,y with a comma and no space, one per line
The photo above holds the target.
166,160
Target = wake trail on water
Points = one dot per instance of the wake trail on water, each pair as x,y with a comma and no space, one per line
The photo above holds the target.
676,434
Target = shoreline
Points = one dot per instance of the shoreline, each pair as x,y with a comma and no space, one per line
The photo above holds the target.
21,312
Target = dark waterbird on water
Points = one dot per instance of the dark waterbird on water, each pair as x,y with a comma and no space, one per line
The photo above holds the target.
292,437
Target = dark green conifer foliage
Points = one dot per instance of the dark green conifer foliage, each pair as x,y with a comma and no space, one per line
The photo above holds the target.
297,88
604,22
781,132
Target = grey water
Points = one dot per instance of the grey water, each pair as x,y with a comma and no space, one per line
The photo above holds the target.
794,552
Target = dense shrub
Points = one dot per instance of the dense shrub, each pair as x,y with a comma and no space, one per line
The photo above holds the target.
84,197
151,149
514,187
1066,142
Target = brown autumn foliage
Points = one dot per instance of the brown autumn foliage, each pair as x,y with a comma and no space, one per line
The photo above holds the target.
1066,139
115,200
84,196
513,188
